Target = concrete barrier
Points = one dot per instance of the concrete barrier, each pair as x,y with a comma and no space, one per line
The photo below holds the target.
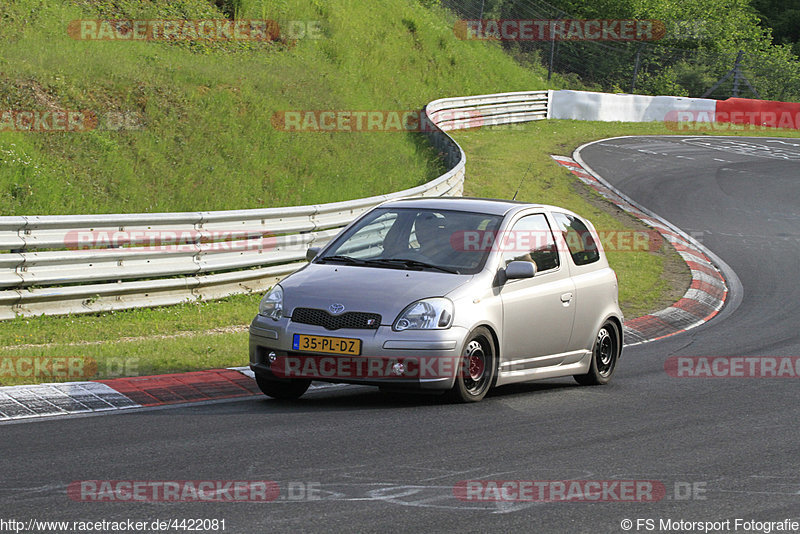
589,106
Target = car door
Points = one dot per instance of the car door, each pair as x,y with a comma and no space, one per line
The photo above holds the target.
595,283
538,312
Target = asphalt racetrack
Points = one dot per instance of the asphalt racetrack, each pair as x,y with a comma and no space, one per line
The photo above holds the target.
350,459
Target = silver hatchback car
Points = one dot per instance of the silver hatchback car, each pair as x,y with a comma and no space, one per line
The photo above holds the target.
443,295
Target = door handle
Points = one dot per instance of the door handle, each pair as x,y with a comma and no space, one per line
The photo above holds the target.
566,297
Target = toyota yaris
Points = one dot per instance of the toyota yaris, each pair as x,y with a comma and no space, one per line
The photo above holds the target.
443,295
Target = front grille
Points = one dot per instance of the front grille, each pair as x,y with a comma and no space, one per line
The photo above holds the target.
356,320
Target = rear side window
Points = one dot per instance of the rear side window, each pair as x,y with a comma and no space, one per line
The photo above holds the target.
581,244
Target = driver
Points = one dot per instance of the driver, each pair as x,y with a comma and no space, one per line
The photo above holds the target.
432,236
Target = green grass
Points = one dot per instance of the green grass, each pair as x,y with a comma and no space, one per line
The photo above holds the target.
134,358
110,326
206,140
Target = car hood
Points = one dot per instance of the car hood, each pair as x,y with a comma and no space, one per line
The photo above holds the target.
365,289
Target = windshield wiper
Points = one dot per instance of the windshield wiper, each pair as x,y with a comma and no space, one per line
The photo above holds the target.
343,259
405,262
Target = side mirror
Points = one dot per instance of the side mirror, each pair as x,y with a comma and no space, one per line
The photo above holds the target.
312,253
520,269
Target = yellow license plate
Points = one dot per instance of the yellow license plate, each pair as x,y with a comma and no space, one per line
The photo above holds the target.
327,345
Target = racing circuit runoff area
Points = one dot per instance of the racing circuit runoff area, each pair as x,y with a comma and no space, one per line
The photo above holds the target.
653,451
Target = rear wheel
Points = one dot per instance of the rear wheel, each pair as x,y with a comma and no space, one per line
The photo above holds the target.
604,357
285,390
476,370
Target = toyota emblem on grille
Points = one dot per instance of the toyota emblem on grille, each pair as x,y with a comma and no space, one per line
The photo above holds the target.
336,309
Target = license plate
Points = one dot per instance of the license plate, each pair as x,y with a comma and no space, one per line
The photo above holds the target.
325,344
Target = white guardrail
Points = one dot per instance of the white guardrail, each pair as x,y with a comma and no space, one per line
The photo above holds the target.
57,264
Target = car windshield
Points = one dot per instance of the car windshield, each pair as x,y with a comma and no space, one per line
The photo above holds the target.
415,239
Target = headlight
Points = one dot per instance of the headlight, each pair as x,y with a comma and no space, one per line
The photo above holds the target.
272,304
426,314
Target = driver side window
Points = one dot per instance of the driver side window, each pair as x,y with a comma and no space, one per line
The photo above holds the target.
530,239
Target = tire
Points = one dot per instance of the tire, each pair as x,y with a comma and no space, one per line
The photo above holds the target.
289,389
476,372
605,353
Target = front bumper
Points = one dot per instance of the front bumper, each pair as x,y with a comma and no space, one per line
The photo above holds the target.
412,359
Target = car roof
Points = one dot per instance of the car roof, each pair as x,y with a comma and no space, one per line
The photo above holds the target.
490,206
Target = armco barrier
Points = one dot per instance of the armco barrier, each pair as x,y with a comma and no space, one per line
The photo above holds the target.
45,270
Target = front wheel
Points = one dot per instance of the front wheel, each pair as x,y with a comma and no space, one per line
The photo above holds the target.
604,357
477,367
285,390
